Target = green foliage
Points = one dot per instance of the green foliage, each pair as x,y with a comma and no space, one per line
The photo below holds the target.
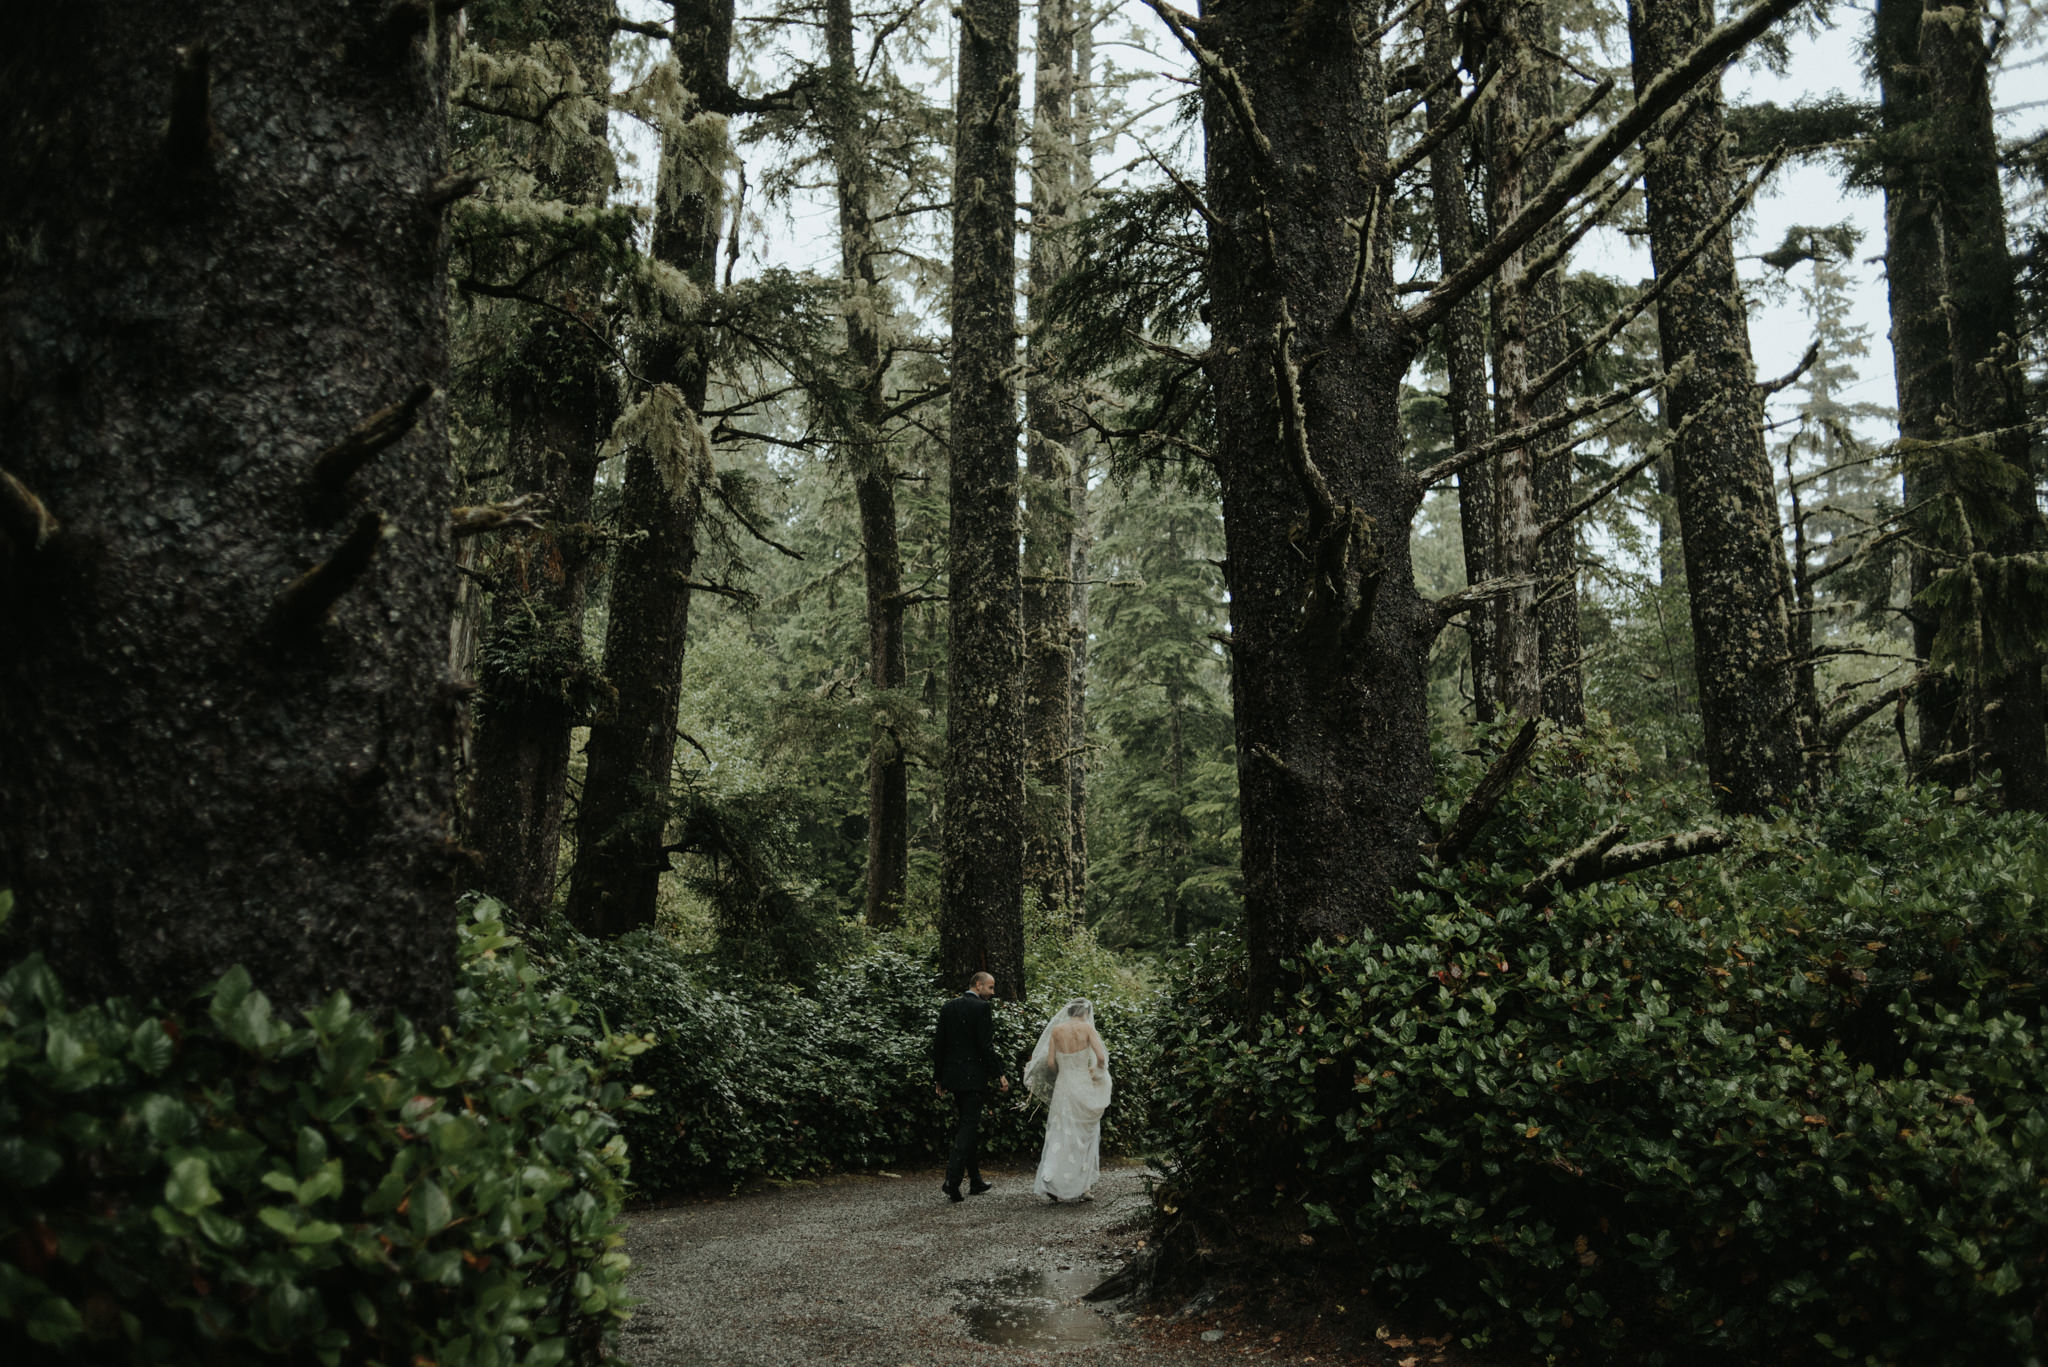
1797,1101
1162,792
751,1079
220,1185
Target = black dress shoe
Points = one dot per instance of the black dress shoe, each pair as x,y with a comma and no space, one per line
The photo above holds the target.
952,1192
979,1187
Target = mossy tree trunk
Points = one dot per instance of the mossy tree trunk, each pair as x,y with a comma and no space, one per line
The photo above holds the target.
1727,503
557,391
1981,307
1919,338
1328,634
225,717
982,863
622,822
1535,645
1078,463
1049,436
874,472
1464,343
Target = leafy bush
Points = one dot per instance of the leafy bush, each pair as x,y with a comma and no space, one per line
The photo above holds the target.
751,1079
1798,1101
218,1185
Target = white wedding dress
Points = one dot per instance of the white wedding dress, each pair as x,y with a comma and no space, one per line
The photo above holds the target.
1076,1086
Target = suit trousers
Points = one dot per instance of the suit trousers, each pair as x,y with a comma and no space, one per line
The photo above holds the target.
966,1136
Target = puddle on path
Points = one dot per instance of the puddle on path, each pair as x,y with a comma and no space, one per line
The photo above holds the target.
1035,1308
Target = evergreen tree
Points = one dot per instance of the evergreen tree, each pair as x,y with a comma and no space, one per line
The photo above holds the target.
1727,505
981,914
1163,816
622,821
533,275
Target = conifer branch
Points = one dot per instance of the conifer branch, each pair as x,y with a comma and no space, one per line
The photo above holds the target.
1674,84
1558,522
1459,115
1628,312
1522,436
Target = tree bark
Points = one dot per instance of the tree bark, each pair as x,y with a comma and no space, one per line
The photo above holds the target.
1464,343
1079,452
1536,628
874,477
982,867
1048,569
225,721
1919,333
557,394
621,824
1981,305
1328,633
1727,505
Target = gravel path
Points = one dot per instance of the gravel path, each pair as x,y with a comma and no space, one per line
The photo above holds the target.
882,1271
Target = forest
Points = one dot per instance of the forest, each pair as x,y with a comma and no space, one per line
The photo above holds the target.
569,569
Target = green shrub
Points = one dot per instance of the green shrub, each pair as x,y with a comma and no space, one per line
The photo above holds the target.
1795,1100
218,1185
750,1079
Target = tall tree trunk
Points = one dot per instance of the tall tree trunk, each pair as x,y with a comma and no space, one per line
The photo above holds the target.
1079,460
558,395
874,477
1981,305
621,824
1328,632
1048,569
1919,338
1464,342
981,916
1727,504
224,720
1535,628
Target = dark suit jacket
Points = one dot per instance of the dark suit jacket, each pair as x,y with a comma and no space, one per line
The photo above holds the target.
964,1048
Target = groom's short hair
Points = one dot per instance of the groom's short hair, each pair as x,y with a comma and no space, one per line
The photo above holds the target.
980,976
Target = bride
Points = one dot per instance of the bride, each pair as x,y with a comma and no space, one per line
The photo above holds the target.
1069,1071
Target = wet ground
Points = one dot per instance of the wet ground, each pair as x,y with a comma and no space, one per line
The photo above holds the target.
883,1271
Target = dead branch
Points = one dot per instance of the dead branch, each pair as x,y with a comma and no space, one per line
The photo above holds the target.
1485,796
719,493
1662,93
1522,436
1584,867
305,602
448,189
1456,118
1836,729
1451,604
1586,855
1552,525
333,467
23,515
1766,388
1628,312
477,519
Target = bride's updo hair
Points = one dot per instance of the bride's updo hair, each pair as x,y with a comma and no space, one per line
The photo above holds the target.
1078,1008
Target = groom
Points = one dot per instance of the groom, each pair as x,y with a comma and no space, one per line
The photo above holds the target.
963,1061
